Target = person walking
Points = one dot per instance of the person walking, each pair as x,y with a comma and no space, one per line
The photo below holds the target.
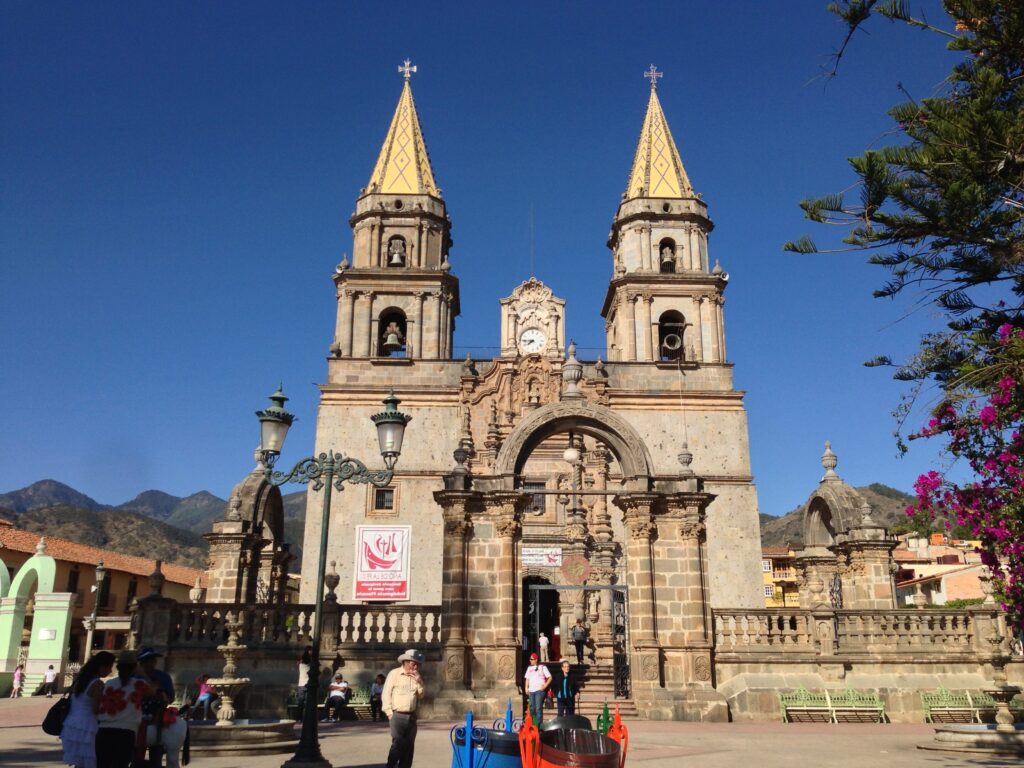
403,689
542,645
49,681
376,692
565,693
78,734
536,680
579,639
305,664
120,714
19,679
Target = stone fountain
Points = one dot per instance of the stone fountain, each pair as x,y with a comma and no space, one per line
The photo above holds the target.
1004,737
229,734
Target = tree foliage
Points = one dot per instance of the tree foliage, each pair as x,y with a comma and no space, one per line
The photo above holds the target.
941,207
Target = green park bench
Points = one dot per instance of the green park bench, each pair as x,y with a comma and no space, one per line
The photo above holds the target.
803,706
945,706
846,706
850,706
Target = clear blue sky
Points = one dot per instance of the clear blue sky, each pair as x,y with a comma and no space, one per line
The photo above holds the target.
176,179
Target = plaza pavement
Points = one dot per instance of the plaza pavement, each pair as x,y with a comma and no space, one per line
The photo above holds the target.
652,745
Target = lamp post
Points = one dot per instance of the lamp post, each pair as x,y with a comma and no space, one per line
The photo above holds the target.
101,575
326,471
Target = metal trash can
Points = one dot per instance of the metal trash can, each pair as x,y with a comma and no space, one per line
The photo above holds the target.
488,748
578,747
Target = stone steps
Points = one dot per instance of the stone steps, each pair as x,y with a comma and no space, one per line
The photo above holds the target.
597,686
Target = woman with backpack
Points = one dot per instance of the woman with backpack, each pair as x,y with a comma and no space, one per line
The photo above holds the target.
78,734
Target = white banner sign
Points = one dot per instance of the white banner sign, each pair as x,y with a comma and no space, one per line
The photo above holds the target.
549,556
382,562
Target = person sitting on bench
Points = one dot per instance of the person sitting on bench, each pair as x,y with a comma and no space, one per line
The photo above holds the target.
337,698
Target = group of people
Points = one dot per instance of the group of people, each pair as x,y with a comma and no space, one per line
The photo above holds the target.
105,724
339,692
537,685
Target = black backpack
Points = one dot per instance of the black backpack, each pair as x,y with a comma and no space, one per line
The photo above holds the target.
53,723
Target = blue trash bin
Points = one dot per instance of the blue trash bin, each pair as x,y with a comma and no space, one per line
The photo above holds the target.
489,748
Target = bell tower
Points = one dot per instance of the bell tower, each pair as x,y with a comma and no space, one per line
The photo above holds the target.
397,297
663,303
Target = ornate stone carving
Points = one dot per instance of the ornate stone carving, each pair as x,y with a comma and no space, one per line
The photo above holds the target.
506,668
617,434
454,667
506,526
649,667
702,668
641,529
457,527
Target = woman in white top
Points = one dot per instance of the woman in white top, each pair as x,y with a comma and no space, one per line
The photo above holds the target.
120,714
78,733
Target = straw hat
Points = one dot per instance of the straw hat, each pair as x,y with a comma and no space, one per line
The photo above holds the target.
411,655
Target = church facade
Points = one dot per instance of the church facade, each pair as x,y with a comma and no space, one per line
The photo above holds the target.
534,489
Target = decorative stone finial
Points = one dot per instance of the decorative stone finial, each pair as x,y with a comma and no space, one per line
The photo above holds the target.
343,264
866,521
829,461
468,369
445,266
157,579
234,513
331,581
717,269
196,593
572,372
599,367
685,457
41,546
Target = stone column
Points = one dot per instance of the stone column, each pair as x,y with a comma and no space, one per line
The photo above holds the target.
693,247
645,247
419,245
645,326
631,327
708,305
446,308
439,332
457,527
374,245
418,299
12,621
697,335
639,522
347,314
720,325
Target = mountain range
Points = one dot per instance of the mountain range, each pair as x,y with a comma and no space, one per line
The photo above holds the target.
160,525
154,524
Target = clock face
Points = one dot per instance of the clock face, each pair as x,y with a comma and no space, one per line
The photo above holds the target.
532,340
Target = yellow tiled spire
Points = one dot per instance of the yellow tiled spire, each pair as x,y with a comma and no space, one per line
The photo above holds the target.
657,168
403,167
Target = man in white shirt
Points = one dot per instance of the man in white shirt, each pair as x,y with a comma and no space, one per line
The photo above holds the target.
542,644
49,681
536,680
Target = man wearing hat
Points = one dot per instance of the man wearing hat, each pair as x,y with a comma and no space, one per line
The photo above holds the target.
403,690
536,680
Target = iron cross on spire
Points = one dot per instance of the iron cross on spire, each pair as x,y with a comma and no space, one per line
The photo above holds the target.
653,74
407,69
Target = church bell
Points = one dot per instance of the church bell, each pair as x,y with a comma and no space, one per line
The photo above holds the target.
392,343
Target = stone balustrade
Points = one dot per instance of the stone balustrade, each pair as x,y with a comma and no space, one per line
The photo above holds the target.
935,632
767,630
202,624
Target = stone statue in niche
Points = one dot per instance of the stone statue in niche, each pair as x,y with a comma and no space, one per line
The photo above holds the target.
666,253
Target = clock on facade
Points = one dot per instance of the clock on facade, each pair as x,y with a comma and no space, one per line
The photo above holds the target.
532,340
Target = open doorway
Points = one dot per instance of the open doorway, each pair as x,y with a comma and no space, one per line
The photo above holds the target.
540,615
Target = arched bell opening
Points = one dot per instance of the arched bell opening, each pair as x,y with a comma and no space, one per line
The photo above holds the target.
671,325
396,252
667,255
819,525
392,334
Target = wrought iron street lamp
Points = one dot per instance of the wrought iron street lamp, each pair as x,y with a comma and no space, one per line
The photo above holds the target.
101,575
326,471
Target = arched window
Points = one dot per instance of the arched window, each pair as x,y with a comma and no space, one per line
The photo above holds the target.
667,255
396,251
671,325
391,334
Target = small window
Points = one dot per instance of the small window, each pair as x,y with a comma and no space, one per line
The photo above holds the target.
384,498
766,566
103,599
769,590
73,580
538,502
133,590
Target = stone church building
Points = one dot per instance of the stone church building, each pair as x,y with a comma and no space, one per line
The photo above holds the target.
535,489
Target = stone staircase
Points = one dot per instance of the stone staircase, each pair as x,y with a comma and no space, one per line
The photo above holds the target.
597,685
